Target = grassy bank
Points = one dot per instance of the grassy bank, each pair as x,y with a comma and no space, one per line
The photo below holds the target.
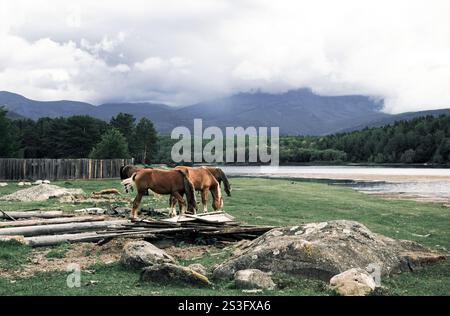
256,201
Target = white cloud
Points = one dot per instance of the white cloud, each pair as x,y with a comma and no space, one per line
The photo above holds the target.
182,52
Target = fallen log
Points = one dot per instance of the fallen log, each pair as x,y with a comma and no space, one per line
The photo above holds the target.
30,214
58,228
58,220
51,240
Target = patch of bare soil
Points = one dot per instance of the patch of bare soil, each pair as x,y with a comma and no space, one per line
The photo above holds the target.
86,254
94,198
83,254
409,196
190,251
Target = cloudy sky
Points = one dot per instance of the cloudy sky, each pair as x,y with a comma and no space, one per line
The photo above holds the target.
180,52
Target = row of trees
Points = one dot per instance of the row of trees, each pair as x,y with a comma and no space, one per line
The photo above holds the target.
421,140
78,136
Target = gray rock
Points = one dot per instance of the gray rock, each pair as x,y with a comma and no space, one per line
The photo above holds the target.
353,282
139,254
253,279
322,250
168,273
197,267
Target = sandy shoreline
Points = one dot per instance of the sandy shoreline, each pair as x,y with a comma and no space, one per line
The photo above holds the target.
358,177
419,184
344,173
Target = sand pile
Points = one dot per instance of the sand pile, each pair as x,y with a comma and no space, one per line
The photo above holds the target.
40,193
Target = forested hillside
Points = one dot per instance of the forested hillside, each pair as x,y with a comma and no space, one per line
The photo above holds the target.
420,140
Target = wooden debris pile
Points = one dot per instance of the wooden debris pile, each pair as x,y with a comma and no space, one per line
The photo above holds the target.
47,228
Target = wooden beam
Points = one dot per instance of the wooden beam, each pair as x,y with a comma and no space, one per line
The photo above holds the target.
49,221
30,214
58,228
51,240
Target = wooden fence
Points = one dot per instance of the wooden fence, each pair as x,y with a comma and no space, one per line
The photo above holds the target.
55,169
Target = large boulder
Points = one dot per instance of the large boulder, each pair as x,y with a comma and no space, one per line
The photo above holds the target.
322,250
168,273
139,254
353,282
253,279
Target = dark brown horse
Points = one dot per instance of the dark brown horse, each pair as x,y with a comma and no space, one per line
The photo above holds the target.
220,176
204,181
173,182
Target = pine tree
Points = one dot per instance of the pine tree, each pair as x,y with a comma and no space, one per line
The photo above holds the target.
145,141
112,145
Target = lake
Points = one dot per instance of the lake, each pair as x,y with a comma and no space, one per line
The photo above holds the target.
422,184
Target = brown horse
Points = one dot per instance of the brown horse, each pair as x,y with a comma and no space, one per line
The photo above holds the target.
173,182
204,181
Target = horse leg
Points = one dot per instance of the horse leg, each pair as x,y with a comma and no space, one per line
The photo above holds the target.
181,202
205,200
136,203
172,204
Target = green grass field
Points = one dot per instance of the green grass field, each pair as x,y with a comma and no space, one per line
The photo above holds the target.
255,201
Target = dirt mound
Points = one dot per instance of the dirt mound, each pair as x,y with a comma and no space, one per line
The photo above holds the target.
322,250
40,192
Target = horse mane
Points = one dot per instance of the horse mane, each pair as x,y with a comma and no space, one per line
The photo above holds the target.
190,192
222,177
215,192
122,173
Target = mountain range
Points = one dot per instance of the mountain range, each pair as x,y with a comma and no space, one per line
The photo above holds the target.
296,112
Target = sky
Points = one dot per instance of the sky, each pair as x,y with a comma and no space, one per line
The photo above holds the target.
181,52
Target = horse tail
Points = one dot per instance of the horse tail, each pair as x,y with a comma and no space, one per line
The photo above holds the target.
226,183
190,192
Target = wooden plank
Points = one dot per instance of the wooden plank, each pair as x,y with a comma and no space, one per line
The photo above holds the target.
62,220
41,241
58,228
218,218
39,214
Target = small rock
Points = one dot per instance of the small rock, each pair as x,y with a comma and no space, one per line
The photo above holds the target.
168,273
92,211
254,291
27,183
353,282
37,182
197,267
139,254
253,279
21,184
3,184
46,182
